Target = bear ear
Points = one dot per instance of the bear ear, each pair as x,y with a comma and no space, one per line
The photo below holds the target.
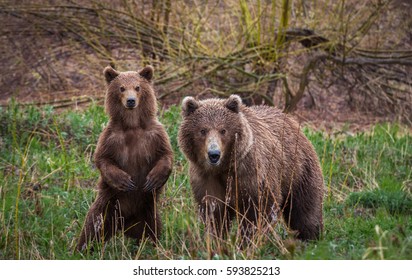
110,74
189,105
147,73
233,103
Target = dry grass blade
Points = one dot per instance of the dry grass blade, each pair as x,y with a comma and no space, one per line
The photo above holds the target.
242,47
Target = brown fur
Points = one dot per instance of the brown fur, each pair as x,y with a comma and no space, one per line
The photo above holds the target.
134,157
267,166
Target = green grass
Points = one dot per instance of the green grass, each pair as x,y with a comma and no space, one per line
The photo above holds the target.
47,181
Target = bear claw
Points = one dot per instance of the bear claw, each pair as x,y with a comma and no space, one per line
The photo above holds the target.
131,186
151,184
128,185
148,186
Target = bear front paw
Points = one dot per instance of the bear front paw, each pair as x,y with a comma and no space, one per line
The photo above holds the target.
123,183
153,183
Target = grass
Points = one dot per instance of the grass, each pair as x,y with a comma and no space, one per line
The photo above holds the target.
47,181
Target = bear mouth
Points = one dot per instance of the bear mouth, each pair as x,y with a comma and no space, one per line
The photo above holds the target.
213,163
129,107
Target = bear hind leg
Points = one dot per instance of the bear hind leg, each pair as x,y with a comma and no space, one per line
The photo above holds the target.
99,225
148,225
303,211
153,226
303,223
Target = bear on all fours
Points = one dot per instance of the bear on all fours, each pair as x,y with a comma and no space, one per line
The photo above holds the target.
134,157
250,163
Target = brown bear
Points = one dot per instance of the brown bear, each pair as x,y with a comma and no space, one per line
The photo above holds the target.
134,157
251,163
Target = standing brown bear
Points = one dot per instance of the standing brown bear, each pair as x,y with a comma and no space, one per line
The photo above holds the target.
251,163
134,157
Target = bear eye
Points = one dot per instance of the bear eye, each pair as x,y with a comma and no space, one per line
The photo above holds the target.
137,88
122,89
203,132
223,131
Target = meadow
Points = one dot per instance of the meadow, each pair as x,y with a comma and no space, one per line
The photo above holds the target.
47,181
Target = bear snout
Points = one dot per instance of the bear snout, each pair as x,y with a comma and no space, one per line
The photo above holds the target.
214,151
214,156
130,103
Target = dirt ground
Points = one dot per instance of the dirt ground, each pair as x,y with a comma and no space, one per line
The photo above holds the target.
335,116
48,66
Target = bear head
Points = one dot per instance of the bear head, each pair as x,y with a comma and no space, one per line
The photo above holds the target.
213,131
130,97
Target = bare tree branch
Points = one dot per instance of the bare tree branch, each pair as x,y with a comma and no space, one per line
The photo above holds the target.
290,106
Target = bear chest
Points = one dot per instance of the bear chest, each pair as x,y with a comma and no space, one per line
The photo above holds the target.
134,151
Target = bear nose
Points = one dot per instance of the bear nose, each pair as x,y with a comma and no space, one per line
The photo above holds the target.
214,156
130,102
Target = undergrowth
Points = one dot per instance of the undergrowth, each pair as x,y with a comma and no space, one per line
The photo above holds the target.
47,181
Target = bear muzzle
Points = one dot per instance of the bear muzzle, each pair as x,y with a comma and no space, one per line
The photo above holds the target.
214,156
214,151
131,103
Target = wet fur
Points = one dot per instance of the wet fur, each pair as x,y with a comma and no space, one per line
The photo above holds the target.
268,167
134,157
